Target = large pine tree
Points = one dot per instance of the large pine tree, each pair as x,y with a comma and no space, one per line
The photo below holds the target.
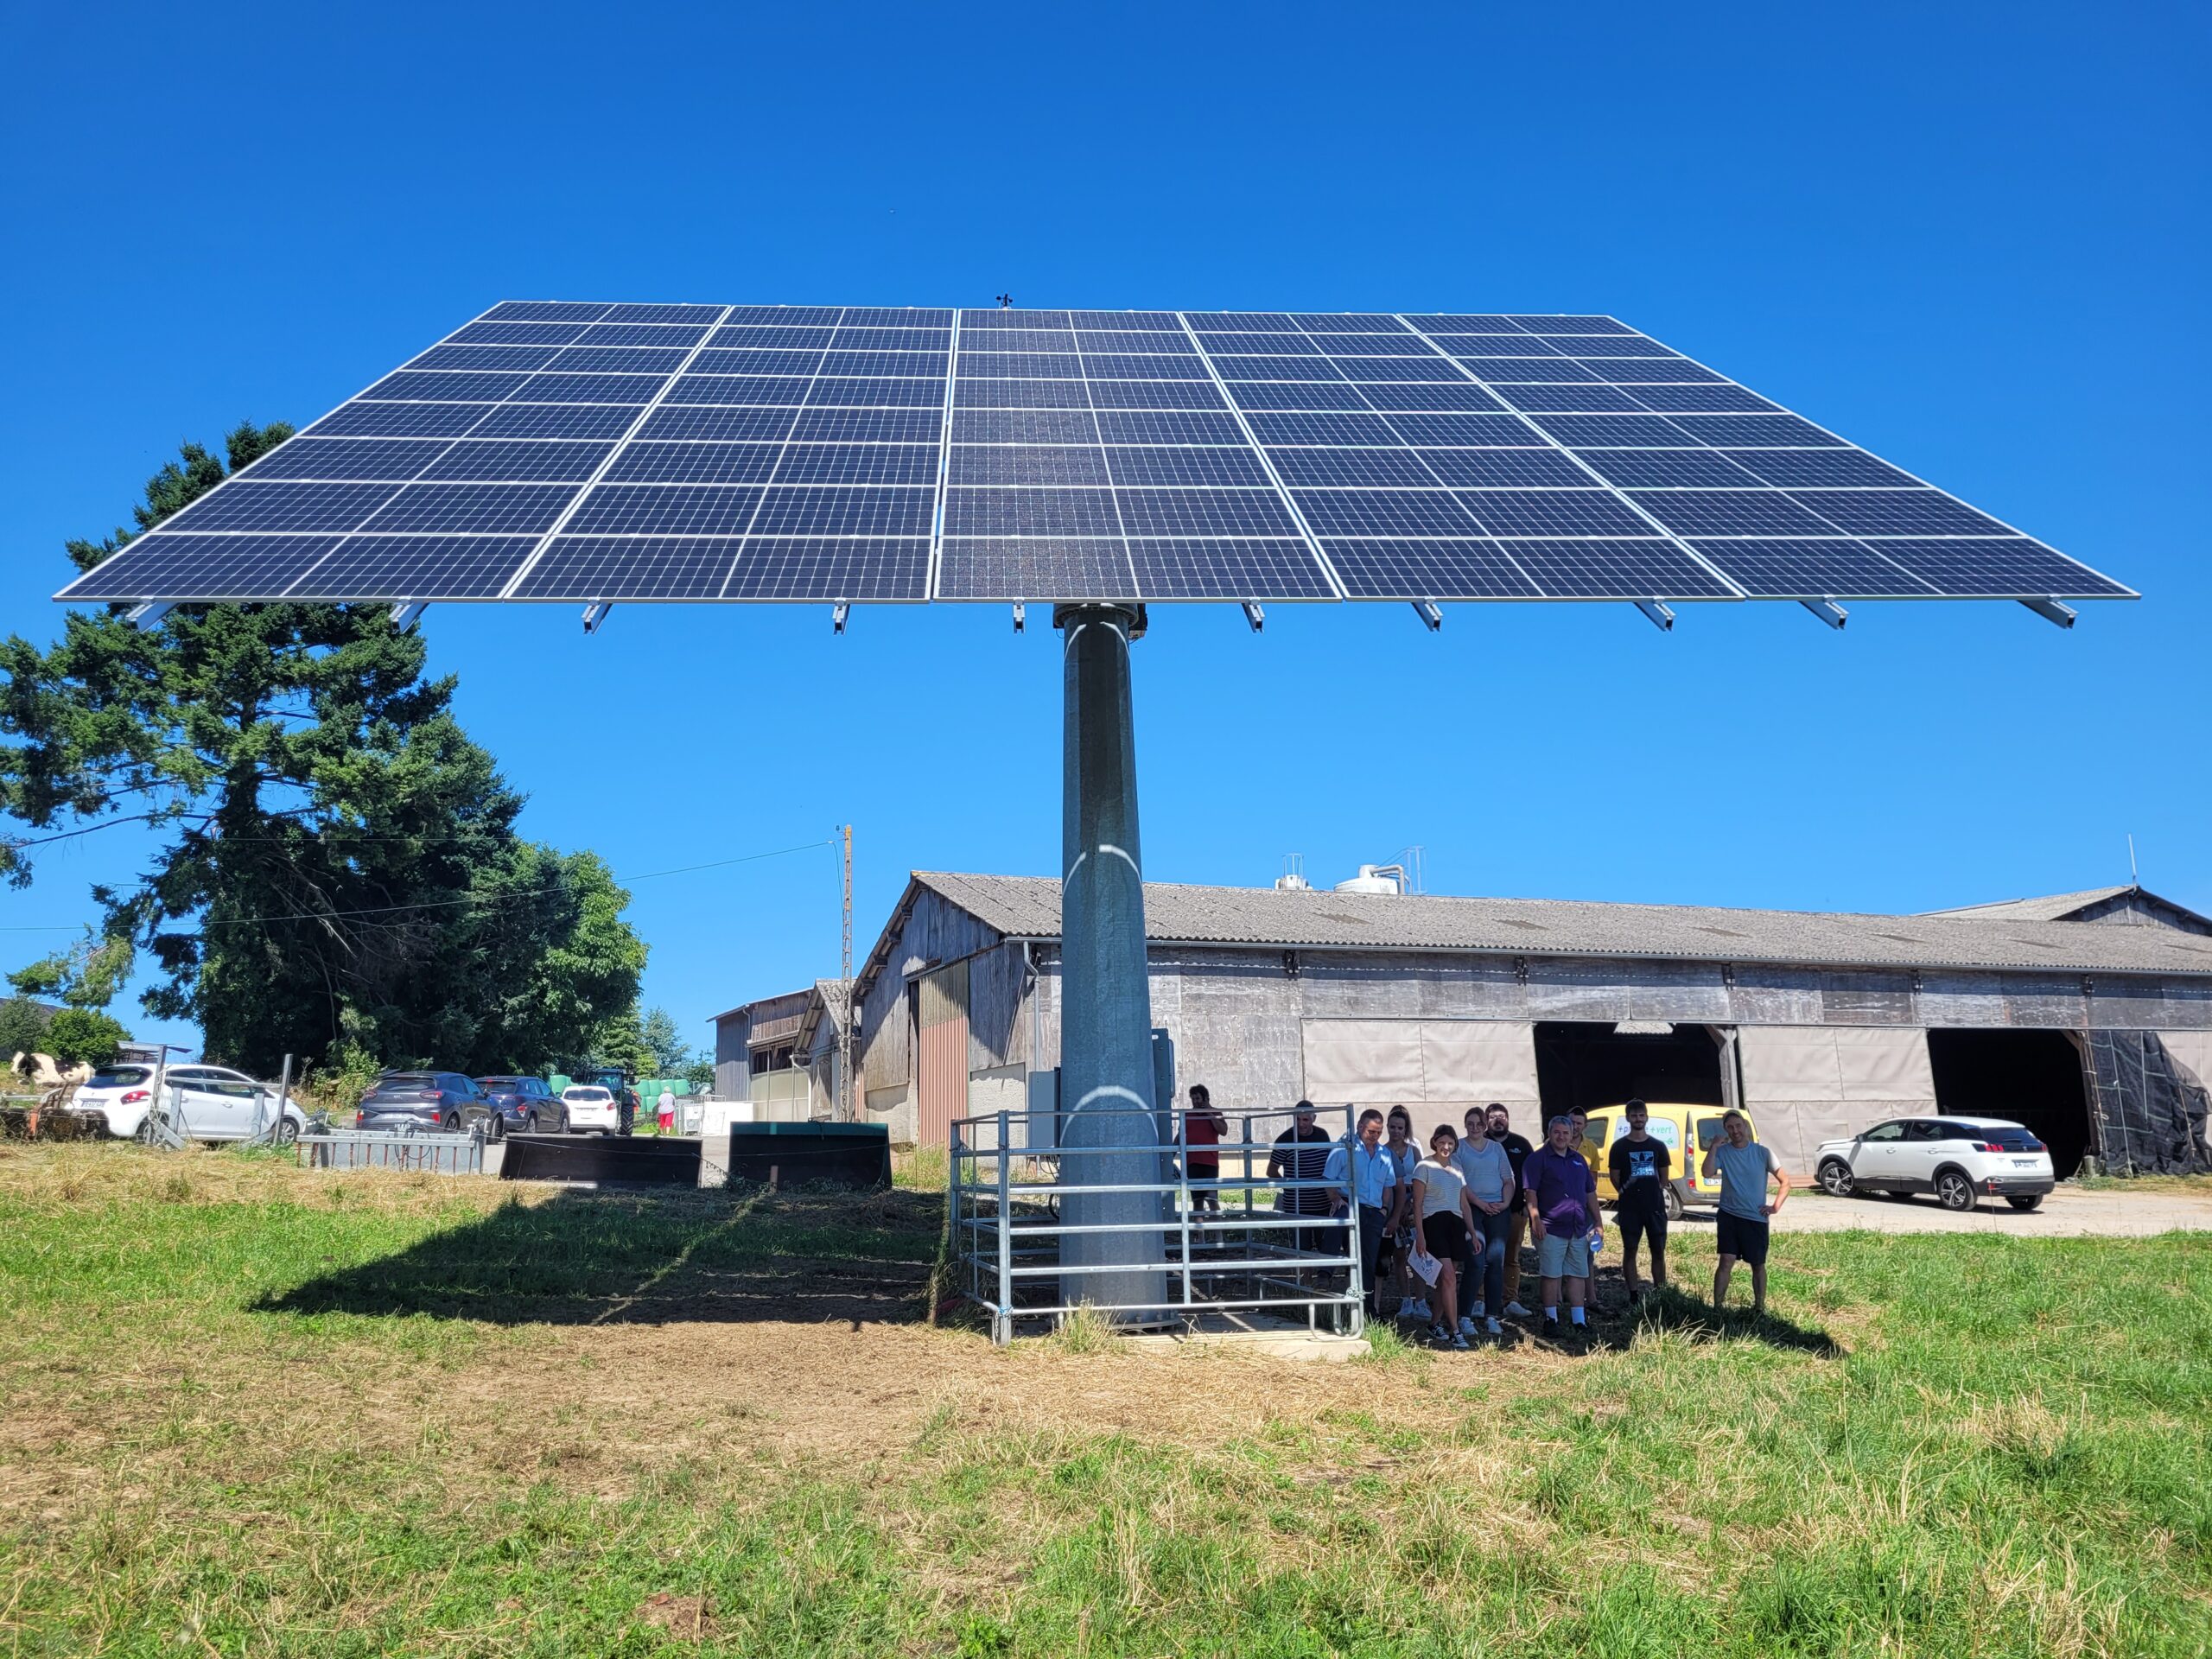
335,859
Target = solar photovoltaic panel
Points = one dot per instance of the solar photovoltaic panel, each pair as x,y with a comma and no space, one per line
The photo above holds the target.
598,451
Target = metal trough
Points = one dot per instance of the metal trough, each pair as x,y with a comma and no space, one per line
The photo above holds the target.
792,1154
647,1160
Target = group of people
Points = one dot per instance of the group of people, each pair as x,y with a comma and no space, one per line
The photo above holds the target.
1447,1229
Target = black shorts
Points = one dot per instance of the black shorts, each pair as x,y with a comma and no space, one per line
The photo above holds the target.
1744,1240
1446,1234
1642,1222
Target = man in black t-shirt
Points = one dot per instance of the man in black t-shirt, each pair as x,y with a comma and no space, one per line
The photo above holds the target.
1301,1153
1499,1123
1641,1167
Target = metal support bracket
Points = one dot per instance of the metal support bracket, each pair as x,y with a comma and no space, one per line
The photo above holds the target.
1020,615
2052,610
596,612
838,612
405,616
1827,610
146,615
1661,617
1432,618
1255,615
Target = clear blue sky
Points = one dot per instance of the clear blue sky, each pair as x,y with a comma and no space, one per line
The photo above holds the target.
1971,237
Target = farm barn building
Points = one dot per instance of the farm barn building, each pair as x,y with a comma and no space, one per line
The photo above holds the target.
2086,1015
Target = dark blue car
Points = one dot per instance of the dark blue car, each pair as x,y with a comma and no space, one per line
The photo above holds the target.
524,1105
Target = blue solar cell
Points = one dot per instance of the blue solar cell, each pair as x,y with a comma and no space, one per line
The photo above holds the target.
632,567
1465,431
434,387
247,505
738,389
1728,512
1722,399
835,392
176,565
1035,567
1628,371
859,463
472,510
1168,426
1385,512
1025,425
516,333
1430,397
821,568
414,567
1616,431
889,339
1396,368
1573,400
770,338
1354,468
1568,324
1136,464
1373,346
1204,513
666,510
1461,322
1040,511
1221,346
1605,569
675,338
1531,468
546,311
1228,567
1128,365
1833,568
735,424
898,316
2004,567
754,362
781,316
1821,468
1020,365
1020,394
695,463
511,359
841,510
620,360
1367,430
589,389
1756,431
1346,323
347,459
662,313
868,426
1291,395
1537,370
556,421
896,364
1277,368
1156,394
1010,463
1177,344
480,461
1151,321
980,322
1240,322
1468,568
1553,512
1597,351
1899,512
1686,469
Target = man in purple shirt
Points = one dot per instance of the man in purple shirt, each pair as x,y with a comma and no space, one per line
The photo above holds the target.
1562,1201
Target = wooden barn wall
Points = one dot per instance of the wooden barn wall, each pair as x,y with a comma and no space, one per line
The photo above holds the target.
934,932
733,1058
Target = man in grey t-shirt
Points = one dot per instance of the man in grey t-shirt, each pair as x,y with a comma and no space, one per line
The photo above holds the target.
1744,1166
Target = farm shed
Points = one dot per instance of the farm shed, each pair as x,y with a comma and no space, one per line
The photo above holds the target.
2086,1015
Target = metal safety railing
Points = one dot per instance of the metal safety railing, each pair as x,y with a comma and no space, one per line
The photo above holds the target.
1251,1246
438,1152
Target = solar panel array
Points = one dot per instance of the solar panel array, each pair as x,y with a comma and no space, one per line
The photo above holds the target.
553,450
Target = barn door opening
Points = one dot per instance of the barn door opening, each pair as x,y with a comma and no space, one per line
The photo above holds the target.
2033,1077
941,1019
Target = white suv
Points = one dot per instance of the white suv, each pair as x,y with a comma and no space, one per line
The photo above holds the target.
207,1102
590,1107
1957,1159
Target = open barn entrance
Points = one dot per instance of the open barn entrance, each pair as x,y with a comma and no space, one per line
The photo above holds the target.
1583,1065
2033,1077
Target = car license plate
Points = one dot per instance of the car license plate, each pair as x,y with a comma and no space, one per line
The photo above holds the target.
2024,1163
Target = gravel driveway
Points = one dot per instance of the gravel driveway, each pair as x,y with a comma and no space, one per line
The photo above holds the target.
2069,1212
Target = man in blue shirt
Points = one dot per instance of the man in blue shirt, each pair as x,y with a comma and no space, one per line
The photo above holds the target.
1366,1177
1743,1165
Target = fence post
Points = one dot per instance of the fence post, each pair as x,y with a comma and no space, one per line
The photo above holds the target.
1183,1200
1005,1334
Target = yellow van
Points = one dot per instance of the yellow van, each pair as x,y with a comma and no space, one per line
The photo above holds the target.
1677,1126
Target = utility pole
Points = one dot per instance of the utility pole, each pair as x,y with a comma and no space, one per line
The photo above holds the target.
850,1105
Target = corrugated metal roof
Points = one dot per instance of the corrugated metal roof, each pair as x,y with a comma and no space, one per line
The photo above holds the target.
1029,906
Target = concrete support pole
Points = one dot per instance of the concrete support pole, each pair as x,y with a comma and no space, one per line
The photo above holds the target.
1106,1084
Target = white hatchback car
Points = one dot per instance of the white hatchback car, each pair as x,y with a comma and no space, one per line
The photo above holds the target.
207,1102
590,1107
1957,1159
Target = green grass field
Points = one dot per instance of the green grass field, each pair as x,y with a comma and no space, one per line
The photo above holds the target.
253,1411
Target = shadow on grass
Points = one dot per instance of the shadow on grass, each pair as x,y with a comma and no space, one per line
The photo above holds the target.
1698,1321
644,1258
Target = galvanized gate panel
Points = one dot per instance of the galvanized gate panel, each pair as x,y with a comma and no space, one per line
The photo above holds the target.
941,1015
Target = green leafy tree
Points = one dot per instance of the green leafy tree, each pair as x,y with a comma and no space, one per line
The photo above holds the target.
336,863
699,1071
670,1052
23,1028
83,1037
620,1041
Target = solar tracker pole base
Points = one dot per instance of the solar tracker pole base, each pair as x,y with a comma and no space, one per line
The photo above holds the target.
1106,1061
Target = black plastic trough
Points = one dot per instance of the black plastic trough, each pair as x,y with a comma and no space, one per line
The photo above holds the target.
655,1159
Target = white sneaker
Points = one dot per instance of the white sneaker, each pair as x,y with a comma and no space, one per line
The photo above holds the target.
1515,1310
1467,1326
1493,1327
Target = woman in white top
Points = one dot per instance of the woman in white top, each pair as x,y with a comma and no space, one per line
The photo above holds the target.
1440,1201
1398,1225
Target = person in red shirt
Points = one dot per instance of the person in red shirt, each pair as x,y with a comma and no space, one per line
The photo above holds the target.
1203,1128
